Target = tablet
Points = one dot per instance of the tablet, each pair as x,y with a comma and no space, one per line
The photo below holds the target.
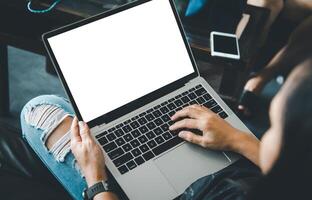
224,45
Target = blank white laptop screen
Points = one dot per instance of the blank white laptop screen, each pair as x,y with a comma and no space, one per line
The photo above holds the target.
115,60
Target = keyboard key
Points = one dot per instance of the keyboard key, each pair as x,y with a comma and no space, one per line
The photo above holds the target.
116,153
131,165
185,93
139,160
185,99
135,133
120,141
157,113
170,123
144,148
103,141
127,122
210,103
128,137
167,145
193,102
122,159
171,100
148,155
192,96
135,143
167,135
101,134
151,125
143,139
134,118
127,147
185,105
192,90
178,109
119,132
123,169
150,110
178,103
207,97
164,110
111,129
159,139
178,96
200,100
143,129
198,86
136,152
134,125
149,117
157,107
164,103
171,113
142,114
216,109
151,144
200,92
111,136
171,106
150,135
119,125
158,121
158,131
223,115
127,129
142,121
165,118
165,127
109,147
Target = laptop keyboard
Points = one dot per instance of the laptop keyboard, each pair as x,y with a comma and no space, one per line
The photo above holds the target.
145,136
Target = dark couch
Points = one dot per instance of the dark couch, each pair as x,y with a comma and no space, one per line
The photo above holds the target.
22,174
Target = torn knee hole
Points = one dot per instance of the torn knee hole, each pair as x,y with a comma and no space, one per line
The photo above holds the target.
55,123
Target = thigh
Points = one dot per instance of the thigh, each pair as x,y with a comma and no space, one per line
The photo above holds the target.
59,161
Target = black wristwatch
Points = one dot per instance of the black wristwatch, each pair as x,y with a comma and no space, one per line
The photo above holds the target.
102,186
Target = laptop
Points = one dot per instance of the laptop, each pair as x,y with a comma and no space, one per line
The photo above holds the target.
126,71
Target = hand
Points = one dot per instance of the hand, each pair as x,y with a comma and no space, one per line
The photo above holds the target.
87,152
217,133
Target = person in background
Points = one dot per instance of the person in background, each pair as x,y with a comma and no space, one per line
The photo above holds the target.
294,13
299,45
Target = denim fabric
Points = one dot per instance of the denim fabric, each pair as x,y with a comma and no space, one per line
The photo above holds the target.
65,170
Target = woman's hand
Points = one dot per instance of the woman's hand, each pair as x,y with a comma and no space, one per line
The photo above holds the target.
217,133
87,152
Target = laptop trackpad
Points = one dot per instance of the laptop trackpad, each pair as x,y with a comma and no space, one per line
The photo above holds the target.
187,163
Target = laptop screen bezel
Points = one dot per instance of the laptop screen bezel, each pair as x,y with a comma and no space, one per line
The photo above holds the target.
129,107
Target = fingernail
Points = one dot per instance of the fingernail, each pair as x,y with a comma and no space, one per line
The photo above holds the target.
181,134
80,124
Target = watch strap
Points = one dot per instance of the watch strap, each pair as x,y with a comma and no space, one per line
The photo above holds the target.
97,188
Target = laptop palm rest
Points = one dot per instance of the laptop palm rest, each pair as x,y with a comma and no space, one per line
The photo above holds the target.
189,162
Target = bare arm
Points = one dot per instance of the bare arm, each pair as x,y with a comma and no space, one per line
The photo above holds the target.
297,49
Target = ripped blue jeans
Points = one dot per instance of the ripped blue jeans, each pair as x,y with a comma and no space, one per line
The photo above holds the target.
39,118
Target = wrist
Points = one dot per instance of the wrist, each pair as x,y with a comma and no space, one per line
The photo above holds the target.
239,141
247,145
94,178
